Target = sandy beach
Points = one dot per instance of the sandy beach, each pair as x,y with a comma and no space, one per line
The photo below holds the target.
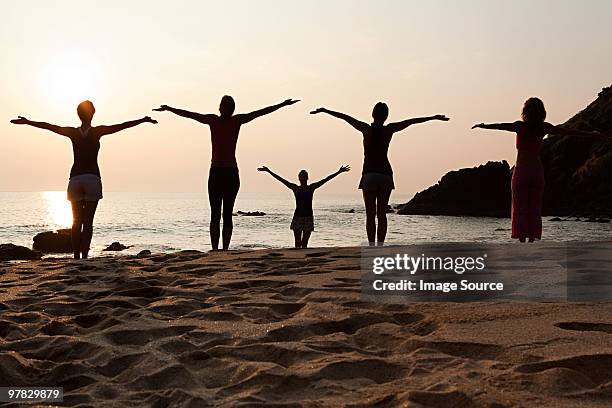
285,328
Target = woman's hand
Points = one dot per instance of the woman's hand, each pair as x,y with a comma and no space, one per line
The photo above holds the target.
263,168
148,119
318,110
20,121
162,108
478,125
441,117
344,169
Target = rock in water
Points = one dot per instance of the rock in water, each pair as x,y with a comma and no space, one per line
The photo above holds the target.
116,246
479,191
252,213
577,171
143,253
53,241
11,252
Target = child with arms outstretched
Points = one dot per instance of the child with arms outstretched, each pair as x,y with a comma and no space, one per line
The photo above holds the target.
303,220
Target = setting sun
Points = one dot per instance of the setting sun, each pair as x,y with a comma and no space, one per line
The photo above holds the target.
71,76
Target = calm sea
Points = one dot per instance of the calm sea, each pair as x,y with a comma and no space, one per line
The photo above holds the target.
175,221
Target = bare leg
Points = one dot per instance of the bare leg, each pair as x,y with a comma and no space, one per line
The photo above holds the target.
297,235
369,199
215,218
77,225
382,202
89,211
228,224
305,239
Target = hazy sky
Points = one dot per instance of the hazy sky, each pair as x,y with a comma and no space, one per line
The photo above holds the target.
471,60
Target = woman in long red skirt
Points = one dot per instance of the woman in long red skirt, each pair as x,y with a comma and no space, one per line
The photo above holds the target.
528,174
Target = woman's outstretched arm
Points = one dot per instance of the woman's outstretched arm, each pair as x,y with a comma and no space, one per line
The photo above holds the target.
247,117
558,130
287,183
509,127
343,169
107,130
357,124
60,130
399,126
199,117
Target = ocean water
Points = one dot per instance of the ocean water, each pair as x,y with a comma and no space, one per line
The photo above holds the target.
164,222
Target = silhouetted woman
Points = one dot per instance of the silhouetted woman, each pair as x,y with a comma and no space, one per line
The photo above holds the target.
223,178
528,174
85,184
302,223
377,176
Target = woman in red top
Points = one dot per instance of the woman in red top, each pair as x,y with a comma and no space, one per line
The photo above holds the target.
528,174
223,179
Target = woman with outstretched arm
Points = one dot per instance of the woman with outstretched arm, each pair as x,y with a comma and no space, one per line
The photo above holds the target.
223,178
85,184
528,175
377,176
302,224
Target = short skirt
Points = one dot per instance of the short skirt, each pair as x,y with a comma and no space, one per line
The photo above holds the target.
302,224
376,182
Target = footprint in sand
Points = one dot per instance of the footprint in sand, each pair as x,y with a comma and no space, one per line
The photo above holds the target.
597,367
584,326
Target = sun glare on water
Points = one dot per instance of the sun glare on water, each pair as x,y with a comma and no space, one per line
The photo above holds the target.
59,213
71,76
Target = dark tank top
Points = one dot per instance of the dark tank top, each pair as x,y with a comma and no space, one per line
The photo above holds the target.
375,150
303,201
85,148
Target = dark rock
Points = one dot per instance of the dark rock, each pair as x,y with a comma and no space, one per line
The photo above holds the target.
478,191
58,241
116,246
143,253
578,168
351,211
577,171
252,213
11,252
555,219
